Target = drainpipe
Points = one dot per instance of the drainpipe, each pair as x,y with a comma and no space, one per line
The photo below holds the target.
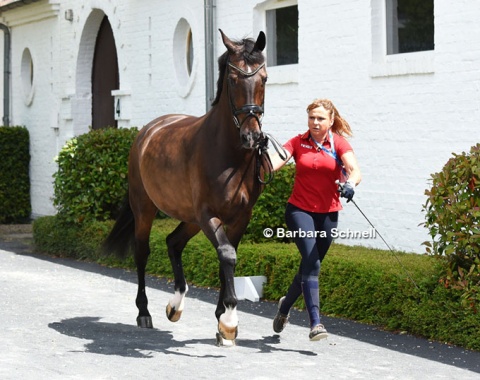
209,15
6,75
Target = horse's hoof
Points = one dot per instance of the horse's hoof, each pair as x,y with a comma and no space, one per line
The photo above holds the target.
221,342
227,332
173,315
145,322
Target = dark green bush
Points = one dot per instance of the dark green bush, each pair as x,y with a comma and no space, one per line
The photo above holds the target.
356,282
91,181
453,221
56,236
15,206
269,211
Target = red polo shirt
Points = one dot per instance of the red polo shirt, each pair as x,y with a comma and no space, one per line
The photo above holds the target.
314,188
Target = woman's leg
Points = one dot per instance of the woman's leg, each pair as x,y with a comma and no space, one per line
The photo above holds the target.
313,250
306,281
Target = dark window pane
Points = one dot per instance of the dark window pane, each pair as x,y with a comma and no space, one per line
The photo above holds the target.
287,35
415,25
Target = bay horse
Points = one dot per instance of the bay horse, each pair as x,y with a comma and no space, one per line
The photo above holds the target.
207,172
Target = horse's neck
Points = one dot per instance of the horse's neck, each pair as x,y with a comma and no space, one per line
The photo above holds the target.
220,123
224,135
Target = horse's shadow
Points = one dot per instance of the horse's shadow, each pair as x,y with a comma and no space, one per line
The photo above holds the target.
131,341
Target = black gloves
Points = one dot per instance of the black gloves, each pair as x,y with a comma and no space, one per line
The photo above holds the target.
346,190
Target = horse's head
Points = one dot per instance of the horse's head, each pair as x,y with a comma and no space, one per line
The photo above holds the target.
245,74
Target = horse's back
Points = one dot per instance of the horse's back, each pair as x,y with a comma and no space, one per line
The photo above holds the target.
173,122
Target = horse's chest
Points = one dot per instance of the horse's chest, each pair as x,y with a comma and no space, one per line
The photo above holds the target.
240,194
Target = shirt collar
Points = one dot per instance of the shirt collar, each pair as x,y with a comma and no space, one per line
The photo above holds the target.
306,136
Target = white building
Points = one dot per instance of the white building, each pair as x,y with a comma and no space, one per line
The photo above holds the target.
409,110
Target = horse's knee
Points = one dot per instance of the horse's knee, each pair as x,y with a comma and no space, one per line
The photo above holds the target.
227,255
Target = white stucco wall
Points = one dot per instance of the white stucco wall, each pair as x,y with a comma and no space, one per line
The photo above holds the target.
408,112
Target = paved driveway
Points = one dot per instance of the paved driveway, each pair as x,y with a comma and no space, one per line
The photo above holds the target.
62,319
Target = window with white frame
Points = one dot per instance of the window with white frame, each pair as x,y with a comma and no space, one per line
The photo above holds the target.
410,26
402,37
282,29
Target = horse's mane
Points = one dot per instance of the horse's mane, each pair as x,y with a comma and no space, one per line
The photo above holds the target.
250,56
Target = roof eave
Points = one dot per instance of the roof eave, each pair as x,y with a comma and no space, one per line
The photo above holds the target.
15,4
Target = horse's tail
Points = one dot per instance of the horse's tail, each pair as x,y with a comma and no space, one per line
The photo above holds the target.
120,240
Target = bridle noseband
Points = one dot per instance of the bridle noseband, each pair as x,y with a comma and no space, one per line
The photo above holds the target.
251,110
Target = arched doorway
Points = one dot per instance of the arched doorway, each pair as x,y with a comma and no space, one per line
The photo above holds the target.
105,77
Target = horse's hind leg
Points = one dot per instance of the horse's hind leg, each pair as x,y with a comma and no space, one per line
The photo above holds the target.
144,216
176,242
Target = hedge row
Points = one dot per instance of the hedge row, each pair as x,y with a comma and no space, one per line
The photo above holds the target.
356,283
15,206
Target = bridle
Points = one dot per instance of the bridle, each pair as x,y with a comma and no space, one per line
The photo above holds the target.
251,110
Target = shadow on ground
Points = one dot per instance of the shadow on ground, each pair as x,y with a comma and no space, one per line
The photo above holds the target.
131,341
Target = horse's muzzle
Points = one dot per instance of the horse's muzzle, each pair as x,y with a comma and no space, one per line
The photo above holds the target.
250,140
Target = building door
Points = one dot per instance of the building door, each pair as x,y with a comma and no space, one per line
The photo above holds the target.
104,78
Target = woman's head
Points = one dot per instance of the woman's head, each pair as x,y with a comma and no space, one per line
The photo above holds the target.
340,126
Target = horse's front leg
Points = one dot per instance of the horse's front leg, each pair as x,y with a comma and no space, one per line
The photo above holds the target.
176,242
226,311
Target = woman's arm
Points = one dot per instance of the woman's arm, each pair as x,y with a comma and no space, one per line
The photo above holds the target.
277,161
351,166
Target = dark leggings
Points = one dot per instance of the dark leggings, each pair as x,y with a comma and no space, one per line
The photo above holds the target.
313,250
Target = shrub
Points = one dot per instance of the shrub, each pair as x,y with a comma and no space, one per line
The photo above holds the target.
453,221
15,206
269,211
91,181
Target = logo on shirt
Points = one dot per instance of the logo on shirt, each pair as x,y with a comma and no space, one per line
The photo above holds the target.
306,146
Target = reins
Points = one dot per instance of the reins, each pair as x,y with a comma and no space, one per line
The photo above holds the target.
262,155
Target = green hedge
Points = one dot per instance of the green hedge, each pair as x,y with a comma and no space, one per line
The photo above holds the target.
269,211
357,283
15,206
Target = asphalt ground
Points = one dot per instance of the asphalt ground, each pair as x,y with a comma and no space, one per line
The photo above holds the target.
64,319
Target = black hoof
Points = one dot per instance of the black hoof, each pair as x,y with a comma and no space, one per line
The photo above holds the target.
145,322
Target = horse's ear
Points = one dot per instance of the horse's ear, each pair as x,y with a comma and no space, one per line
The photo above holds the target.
227,42
261,42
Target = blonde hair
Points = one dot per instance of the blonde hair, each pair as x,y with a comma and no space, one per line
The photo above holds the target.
340,126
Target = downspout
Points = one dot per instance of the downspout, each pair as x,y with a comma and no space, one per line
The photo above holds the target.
209,15
6,75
